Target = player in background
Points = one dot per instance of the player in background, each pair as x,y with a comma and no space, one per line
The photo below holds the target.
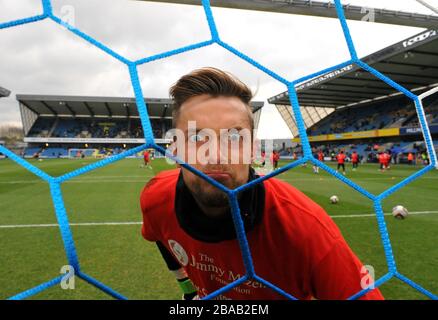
320,156
410,158
275,157
146,160
315,167
263,154
36,156
294,156
355,160
425,159
381,157
387,158
340,158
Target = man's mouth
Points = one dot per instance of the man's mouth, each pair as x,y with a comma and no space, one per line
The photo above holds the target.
218,175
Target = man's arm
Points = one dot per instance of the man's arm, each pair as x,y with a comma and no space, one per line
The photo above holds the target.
340,274
186,285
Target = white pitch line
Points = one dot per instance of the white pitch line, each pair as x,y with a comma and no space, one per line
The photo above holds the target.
139,223
357,180
144,179
386,214
76,181
71,224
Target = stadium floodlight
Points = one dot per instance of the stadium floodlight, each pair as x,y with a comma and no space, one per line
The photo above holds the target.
4,92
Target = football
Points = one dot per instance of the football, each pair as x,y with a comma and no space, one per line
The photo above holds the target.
334,199
400,212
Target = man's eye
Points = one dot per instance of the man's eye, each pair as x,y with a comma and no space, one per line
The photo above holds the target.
197,138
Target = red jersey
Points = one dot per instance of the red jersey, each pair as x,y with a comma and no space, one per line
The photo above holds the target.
320,156
296,246
275,157
382,158
386,158
146,155
355,157
341,158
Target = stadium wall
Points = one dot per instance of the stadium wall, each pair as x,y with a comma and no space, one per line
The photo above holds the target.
417,131
91,140
393,132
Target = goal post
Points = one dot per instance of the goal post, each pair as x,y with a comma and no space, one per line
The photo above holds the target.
77,153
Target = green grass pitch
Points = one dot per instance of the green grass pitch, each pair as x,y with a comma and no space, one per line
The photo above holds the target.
118,256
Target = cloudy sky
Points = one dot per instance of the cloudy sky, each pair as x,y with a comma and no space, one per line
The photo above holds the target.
44,58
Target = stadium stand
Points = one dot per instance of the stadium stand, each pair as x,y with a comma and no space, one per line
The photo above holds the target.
53,125
3,93
431,112
389,114
412,63
349,109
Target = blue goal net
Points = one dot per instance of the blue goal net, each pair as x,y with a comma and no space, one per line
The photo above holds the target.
132,68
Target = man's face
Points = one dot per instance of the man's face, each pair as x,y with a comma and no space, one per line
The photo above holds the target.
226,117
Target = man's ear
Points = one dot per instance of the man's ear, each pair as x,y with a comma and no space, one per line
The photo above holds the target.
175,151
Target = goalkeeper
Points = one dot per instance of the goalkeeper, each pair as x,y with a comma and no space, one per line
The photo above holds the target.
294,243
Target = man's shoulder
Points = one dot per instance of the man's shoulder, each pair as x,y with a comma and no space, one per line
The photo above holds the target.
167,175
160,186
162,179
297,209
286,194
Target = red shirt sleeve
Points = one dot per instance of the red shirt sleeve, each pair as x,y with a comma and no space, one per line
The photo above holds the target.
156,203
147,229
339,275
327,268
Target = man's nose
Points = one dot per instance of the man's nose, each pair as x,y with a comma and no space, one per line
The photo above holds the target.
219,154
